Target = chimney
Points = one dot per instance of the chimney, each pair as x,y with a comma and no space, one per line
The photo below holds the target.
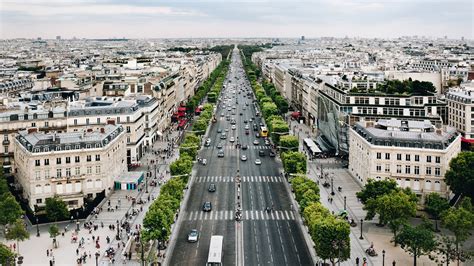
438,131
102,130
111,122
32,130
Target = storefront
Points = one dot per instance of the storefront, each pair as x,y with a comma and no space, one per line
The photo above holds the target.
129,180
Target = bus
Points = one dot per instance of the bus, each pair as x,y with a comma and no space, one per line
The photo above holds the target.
263,132
215,251
312,148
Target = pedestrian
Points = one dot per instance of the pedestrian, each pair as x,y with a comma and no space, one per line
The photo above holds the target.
47,253
77,252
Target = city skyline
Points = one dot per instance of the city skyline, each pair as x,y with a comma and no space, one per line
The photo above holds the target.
213,18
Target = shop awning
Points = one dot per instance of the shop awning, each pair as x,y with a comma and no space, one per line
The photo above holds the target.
470,141
182,109
296,114
182,123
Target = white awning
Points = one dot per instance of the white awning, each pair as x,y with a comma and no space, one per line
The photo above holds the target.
159,133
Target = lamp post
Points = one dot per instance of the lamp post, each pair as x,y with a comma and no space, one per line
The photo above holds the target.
97,255
37,225
118,230
361,223
146,183
345,198
332,185
383,257
77,221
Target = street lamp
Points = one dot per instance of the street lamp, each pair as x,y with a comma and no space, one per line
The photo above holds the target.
97,255
383,257
361,223
345,198
77,221
332,185
37,226
118,231
146,183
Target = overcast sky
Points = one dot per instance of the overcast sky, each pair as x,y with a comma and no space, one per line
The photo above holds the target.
245,18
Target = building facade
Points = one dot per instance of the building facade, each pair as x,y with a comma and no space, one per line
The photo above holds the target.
73,166
461,112
414,154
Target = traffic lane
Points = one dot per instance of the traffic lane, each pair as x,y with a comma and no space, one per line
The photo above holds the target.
251,244
294,242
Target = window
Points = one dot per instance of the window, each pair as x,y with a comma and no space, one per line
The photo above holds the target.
39,201
428,159
46,174
46,124
428,170
128,139
417,158
379,155
37,163
89,170
407,169
33,124
438,159
407,157
87,121
387,168
38,175
417,170
68,159
97,169
387,156
77,159
128,129
437,171
77,170
68,171
75,122
58,172
379,168
58,160
89,158
46,161
128,119
118,120
399,156
399,169
98,120
97,157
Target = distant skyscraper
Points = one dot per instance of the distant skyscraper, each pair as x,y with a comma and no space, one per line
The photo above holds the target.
302,38
58,37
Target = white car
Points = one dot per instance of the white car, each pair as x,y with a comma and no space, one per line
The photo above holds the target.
243,157
234,127
258,162
193,236
232,139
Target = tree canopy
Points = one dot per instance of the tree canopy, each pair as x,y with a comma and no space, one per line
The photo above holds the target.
435,205
460,176
56,209
417,240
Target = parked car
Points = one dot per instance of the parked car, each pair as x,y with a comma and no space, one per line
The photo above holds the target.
193,236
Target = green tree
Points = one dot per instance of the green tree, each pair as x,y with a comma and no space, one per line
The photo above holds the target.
56,209
7,257
371,191
182,166
200,125
269,108
212,97
9,208
331,239
189,148
294,162
460,176
53,233
394,209
17,232
157,223
435,205
313,213
460,221
417,241
289,143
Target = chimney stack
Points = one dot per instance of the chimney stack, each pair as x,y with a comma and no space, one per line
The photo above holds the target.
102,130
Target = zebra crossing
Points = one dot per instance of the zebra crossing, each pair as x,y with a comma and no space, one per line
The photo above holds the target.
232,147
205,179
253,215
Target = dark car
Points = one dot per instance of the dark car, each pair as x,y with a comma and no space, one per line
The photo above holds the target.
207,206
257,135
212,187
255,128
244,147
272,154
261,153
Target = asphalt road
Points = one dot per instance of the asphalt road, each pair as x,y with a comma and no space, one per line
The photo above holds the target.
261,238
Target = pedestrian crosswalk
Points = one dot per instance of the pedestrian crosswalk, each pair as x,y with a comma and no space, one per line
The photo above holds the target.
246,215
211,179
232,147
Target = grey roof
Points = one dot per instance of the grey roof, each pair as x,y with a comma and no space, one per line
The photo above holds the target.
40,142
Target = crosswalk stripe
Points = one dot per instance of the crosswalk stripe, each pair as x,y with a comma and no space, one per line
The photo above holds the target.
200,215
251,215
217,216
246,215
276,214
287,217
292,216
190,215
231,179
273,217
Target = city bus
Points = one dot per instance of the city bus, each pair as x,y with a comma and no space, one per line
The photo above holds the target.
215,251
263,132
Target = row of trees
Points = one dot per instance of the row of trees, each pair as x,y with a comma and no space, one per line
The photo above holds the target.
273,106
162,213
394,206
329,233
407,87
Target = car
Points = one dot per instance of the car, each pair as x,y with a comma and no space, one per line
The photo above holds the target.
219,130
212,187
250,120
241,113
272,154
227,118
256,142
234,127
255,128
243,108
257,135
247,132
258,162
229,109
233,122
267,142
227,130
193,236
223,135
247,127
222,114
243,157
245,122
232,139
244,147
261,153
204,161
261,124
219,145
220,153
207,206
